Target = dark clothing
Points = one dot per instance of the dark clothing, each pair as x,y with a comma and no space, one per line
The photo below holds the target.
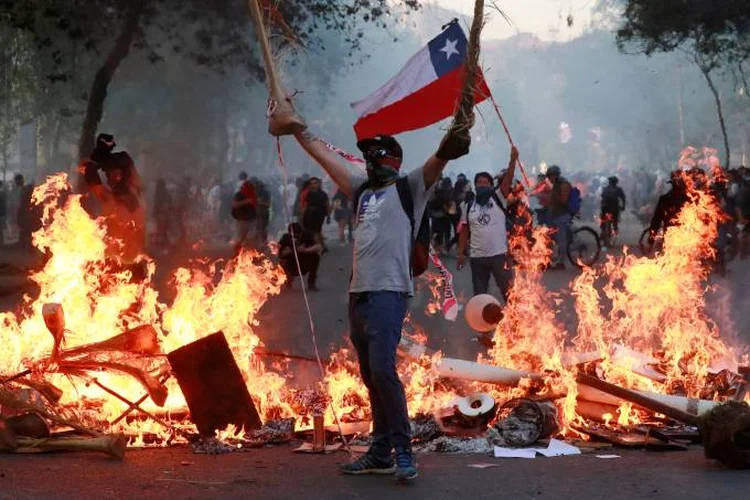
308,262
342,206
264,211
611,198
245,212
376,319
163,211
316,211
29,218
667,209
498,266
440,217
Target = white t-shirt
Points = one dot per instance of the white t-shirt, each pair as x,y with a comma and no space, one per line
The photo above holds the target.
488,236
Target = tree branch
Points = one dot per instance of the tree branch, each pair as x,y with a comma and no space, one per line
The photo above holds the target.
706,70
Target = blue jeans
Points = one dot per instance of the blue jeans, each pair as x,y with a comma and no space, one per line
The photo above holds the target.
562,225
376,319
498,266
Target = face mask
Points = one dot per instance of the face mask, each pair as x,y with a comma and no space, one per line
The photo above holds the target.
378,175
483,194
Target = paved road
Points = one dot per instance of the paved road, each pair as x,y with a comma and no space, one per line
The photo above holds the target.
279,473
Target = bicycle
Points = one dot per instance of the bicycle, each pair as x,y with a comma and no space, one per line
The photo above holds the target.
609,233
584,246
728,246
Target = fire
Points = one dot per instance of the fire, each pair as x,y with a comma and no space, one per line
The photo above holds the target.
99,301
646,328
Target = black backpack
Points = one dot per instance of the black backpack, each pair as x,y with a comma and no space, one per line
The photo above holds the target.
420,245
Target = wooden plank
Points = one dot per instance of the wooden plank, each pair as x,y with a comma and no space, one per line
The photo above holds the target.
213,385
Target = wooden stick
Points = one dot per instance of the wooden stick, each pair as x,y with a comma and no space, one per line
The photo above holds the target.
15,377
128,402
510,139
637,398
283,119
134,406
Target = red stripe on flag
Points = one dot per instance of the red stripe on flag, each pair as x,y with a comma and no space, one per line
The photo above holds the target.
424,107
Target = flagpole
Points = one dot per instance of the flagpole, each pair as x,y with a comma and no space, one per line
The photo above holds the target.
510,139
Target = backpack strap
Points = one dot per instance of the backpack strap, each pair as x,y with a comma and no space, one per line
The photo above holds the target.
495,197
407,202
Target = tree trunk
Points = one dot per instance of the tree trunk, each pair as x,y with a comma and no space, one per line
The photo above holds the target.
98,92
707,73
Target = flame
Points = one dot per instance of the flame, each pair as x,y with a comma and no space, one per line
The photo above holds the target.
99,301
646,328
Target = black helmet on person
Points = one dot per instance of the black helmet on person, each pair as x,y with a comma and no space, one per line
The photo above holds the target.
613,180
553,171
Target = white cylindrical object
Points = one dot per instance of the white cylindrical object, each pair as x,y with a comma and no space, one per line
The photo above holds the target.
474,312
683,403
475,404
637,362
468,370
54,318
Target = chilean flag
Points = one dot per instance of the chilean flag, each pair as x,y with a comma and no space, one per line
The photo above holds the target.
425,91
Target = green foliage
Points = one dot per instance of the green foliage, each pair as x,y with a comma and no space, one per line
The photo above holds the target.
718,31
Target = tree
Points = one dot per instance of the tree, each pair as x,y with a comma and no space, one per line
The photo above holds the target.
17,88
716,35
211,33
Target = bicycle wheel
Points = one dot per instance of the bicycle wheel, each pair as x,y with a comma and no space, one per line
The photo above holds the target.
609,235
584,247
646,248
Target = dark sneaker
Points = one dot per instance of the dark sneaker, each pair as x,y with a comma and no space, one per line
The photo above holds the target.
368,464
406,467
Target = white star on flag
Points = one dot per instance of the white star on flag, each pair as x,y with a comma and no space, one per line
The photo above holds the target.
450,48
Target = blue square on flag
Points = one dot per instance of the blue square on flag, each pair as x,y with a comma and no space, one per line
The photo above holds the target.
447,50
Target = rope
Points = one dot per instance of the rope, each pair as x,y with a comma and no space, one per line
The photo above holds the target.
313,337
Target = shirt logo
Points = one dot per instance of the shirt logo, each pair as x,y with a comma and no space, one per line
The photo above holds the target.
370,205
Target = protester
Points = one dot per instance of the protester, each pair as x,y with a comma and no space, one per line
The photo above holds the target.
24,215
183,204
264,210
342,214
316,209
560,217
121,202
3,212
162,212
245,213
612,204
386,209
302,186
308,252
669,205
439,207
483,230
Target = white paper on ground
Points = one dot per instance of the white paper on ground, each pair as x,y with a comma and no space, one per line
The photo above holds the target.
554,449
559,448
482,466
608,456
514,452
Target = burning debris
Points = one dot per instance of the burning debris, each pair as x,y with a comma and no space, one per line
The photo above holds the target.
645,356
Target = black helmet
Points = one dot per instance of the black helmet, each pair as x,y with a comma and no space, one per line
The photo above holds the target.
613,180
553,170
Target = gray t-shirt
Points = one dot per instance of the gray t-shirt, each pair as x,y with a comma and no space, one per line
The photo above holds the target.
382,240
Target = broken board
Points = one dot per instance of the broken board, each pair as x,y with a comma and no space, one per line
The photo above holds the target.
213,386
